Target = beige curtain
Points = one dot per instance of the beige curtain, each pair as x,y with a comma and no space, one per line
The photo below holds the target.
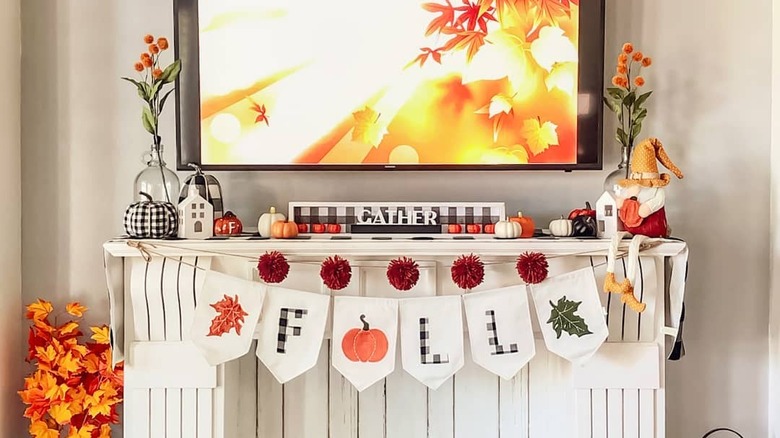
11,422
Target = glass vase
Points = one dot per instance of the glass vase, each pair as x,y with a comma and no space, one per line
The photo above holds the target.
157,180
612,180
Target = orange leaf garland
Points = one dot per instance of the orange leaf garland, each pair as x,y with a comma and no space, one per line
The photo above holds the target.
74,392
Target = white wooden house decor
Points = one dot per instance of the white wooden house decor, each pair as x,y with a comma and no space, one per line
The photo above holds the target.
196,216
172,392
607,220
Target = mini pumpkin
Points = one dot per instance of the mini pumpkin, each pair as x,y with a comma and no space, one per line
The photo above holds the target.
267,220
364,344
526,223
284,230
228,225
561,227
587,211
508,230
151,219
584,226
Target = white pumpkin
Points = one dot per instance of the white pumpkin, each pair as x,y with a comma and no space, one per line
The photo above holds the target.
267,221
561,227
508,230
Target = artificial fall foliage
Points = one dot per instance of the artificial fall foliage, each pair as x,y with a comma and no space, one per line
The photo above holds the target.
73,389
564,318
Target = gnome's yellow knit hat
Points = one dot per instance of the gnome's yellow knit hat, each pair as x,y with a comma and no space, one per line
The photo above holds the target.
644,168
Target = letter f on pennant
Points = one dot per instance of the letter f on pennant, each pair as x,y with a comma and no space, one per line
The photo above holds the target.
286,329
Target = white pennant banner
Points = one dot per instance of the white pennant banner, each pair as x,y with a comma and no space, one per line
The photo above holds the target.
432,338
364,339
291,331
226,316
500,332
570,315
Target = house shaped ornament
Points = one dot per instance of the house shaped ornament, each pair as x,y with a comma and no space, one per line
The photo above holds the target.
196,216
607,220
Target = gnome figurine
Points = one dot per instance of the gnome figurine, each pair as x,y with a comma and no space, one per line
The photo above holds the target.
640,203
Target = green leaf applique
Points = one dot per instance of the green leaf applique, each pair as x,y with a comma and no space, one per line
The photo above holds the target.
564,319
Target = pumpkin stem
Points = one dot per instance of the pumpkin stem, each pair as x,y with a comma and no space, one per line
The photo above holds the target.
365,323
146,195
587,205
273,210
197,168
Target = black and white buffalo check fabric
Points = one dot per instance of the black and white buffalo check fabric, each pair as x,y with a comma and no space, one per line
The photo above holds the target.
483,214
285,329
155,220
493,336
426,357
209,189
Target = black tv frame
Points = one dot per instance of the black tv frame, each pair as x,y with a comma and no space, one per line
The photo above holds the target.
590,126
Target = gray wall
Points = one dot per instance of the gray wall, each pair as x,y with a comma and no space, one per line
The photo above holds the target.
82,145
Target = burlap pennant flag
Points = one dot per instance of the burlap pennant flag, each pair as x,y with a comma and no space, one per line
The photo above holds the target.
432,338
570,315
291,331
364,339
226,316
500,331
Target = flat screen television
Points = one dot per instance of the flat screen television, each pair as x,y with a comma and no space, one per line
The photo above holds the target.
380,84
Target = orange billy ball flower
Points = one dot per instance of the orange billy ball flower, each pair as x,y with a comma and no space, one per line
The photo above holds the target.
628,48
154,49
647,62
639,81
163,43
145,55
157,73
147,62
623,58
638,56
148,39
622,69
139,67
618,80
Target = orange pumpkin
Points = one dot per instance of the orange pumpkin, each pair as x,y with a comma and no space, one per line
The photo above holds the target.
228,225
284,230
526,223
364,344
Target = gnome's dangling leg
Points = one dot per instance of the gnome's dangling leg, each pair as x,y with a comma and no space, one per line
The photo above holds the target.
624,288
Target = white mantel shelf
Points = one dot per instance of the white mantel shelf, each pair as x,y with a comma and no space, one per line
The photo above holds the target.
382,248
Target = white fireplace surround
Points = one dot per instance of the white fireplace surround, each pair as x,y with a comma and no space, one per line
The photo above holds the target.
171,392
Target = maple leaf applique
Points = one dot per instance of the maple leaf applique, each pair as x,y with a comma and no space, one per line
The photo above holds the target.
563,318
262,112
540,136
367,129
230,315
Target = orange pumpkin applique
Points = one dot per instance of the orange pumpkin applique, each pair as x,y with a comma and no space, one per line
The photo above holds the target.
364,345
629,213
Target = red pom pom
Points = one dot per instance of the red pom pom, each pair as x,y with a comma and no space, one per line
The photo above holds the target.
532,267
273,267
403,273
468,271
336,273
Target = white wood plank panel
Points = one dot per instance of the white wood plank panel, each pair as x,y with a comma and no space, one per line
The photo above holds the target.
246,395
154,297
614,413
157,411
205,415
189,412
630,413
372,407
599,413
583,413
647,414
513,405
136,413
343,405
161,365
270,399
475,400
441,420
170,298
306,401
407,404
619,365
173,413
138,302
550,389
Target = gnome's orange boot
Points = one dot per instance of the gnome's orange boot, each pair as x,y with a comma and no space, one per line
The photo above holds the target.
611,285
